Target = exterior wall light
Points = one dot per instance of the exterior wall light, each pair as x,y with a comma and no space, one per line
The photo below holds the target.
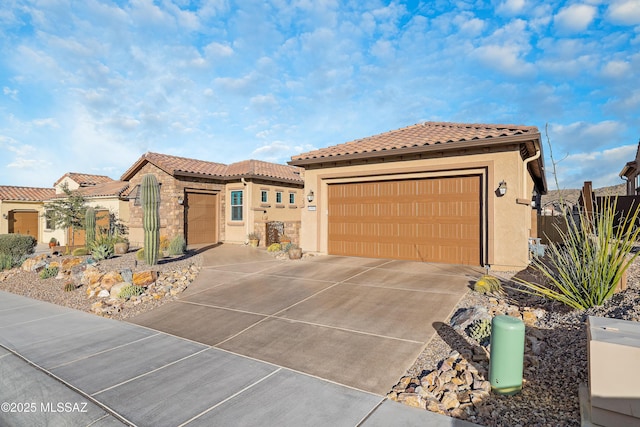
502,188
310,196
180,200
5,216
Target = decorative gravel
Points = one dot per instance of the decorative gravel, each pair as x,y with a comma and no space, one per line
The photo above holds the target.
550,394
51,290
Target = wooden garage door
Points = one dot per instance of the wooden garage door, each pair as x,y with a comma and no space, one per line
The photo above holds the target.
201,218
103,223
434,220
24,223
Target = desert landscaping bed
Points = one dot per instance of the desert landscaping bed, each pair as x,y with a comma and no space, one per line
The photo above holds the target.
163,282
449,376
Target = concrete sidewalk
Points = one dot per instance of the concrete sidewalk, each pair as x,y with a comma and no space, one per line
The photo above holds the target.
62,367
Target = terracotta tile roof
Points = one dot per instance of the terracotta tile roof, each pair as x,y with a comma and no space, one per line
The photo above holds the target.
259,168
106,189
84,179
419,135
174,165
28,194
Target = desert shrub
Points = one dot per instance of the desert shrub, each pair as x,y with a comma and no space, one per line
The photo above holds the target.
102,252
274,247
17,246
6,262
140,254
164,243
583,270
48,272
80,252
131,290
177,245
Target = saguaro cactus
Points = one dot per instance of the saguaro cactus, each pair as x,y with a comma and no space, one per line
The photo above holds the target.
150,195
90,226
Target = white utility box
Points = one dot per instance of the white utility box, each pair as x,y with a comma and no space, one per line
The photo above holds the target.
614,371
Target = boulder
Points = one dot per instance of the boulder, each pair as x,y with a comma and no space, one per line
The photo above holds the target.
104,294
144,278
91,275
69,263
109,279
127,275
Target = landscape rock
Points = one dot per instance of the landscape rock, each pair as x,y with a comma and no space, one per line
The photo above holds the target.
109,279
144,278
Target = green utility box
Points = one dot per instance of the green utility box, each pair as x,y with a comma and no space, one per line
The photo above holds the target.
507,354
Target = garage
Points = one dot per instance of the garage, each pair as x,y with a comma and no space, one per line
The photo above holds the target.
201,223
428,219
24,223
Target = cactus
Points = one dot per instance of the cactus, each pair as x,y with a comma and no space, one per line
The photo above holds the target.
480,330
131,290
80,252
68,287
48,272
150,195
488,285
90,226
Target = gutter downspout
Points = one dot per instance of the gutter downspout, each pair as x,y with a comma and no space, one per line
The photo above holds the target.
524,175
245,207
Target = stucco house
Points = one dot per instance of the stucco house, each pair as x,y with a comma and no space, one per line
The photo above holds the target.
104,194
22,210
210,202
437,192
630,173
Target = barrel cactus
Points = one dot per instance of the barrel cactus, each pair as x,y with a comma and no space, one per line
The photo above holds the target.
90,226
150,196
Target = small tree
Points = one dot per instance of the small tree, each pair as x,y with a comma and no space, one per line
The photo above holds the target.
68,212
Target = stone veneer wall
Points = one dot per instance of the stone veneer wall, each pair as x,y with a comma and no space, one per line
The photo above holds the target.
172,214
291,229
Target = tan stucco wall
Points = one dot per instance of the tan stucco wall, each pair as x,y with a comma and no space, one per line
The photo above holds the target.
508,218
257,212
7,206
71,184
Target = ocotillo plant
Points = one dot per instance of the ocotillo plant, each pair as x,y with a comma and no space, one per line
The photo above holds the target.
150,195
90,227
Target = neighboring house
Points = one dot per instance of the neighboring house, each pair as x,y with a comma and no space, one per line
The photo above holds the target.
101,192
211,202
428,192
22,210
631,174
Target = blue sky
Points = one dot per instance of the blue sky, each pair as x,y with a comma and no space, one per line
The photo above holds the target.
89,86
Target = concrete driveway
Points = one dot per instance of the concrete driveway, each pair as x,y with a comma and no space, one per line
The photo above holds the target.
358,322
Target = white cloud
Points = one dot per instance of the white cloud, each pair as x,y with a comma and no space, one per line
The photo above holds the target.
624,12
216,49
511,7
600,167
505,59
29,164
616,69
11,93
589,136
48,122
574,18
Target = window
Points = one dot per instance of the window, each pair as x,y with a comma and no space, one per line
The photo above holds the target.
264,197
292,198
49,225
236,205
278,196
